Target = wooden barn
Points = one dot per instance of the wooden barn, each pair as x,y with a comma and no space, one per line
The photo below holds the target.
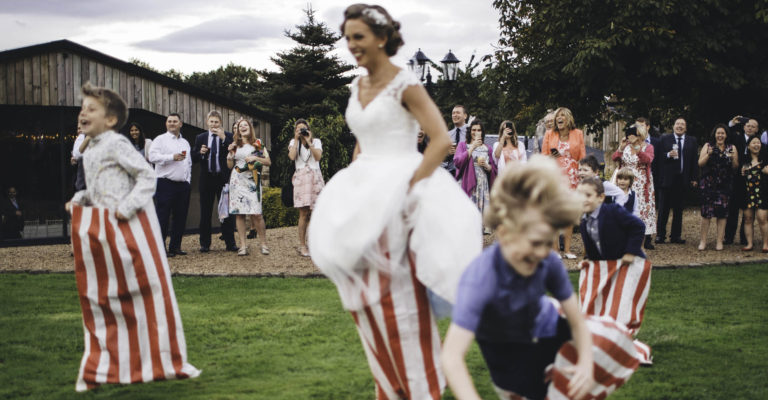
39,103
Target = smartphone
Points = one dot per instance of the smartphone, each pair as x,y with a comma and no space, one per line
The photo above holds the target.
553,151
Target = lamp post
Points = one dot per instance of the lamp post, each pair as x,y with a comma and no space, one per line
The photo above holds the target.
418,64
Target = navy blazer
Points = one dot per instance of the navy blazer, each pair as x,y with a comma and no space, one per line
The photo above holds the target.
670,167
202,139
620,233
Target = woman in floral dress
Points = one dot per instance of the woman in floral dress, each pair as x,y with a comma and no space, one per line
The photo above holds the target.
718,161
753,169
636,154
566,144
246,158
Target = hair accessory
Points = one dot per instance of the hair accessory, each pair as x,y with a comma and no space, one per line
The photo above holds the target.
375,15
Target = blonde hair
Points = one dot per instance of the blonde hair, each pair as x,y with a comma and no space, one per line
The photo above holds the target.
569,122
536,186
626,173
642,131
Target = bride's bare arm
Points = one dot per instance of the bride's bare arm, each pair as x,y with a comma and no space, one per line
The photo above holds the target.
424,109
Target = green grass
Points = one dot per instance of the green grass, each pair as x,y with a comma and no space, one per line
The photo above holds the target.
288,338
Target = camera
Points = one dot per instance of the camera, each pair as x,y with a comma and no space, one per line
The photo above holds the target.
303,132
743,120
510,125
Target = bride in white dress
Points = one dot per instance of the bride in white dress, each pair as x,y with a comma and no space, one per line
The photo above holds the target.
393,224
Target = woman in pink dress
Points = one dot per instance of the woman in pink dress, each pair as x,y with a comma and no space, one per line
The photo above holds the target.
636,154
566,144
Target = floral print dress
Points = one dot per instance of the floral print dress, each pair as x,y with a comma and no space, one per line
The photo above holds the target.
642,186
481,195
753,175
569,166
716,184
244,191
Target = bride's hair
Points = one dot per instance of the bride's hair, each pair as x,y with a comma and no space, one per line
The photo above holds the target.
531,192
380,22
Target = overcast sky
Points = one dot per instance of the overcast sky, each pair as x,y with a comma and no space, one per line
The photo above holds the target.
201,35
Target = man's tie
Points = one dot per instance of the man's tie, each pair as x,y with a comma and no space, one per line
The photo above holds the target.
213,159
680,152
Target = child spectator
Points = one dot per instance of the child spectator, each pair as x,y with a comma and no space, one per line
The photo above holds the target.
615,270
132,326
501,301
588,167
625,177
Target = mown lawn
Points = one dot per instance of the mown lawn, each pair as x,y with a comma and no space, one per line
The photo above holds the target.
288,338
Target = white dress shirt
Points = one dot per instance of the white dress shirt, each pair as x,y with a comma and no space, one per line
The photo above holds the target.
76,147
161,154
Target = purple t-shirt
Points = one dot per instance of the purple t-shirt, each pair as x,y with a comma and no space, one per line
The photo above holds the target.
499,305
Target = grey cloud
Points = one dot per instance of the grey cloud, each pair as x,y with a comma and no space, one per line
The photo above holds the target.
223,35
118,9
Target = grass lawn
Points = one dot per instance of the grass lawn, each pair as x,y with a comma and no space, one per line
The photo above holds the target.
288,338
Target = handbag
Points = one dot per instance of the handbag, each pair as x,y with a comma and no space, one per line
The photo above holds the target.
224,203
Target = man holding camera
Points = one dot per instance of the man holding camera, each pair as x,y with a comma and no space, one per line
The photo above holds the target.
211,152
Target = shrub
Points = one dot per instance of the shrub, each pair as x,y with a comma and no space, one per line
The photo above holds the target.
277,215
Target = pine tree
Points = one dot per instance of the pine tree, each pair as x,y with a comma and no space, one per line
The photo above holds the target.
310,83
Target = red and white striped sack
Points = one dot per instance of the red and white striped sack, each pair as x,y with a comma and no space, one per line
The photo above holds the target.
131,321
615,360
607,288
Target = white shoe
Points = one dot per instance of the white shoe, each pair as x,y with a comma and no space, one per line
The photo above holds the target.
243,251
570,256
265,250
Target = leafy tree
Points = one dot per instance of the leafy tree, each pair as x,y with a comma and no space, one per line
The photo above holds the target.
704,59
309,83
234,82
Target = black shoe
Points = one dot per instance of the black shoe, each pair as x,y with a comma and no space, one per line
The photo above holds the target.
677,241
221,237
232,248
659,240
252,234
170,253
176,252
204,249
728,241
649,243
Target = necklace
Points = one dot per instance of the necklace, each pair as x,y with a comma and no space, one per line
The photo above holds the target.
309,153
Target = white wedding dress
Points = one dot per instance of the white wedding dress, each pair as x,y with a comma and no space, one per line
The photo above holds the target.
382,245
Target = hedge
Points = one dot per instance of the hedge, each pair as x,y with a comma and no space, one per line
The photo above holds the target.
277,215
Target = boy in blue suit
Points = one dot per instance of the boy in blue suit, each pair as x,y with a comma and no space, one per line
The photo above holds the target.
609,231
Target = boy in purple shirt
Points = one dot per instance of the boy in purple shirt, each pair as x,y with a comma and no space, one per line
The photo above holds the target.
501,300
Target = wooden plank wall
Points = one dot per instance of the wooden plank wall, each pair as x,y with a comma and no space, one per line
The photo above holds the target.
51,79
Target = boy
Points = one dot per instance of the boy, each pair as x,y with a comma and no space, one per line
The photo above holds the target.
615,277
624,180
501,302
589,167
133,330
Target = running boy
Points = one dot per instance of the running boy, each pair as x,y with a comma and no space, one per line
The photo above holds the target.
501,301
132,326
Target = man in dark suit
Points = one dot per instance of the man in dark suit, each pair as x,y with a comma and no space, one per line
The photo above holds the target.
679,172
210,150
608,231
741,129
12,216
457,134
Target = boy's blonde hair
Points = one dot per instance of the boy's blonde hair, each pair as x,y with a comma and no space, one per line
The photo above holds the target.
111,101
626,173
534,187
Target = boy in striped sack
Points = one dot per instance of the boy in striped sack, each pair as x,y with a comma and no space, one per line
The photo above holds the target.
615,275
535,346
131,321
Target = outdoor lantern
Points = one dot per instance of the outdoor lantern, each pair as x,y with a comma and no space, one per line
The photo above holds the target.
420,66
450,66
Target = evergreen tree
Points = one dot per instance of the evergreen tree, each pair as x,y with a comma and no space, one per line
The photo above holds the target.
310,83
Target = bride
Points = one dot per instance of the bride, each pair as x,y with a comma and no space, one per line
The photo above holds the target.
393,224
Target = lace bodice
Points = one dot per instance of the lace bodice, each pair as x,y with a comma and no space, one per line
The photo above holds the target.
384,126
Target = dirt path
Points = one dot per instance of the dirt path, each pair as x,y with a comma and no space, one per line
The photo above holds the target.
284,259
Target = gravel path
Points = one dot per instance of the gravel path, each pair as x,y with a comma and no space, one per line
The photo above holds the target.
284,260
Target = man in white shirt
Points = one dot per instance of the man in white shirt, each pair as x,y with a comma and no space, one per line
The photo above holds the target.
170,153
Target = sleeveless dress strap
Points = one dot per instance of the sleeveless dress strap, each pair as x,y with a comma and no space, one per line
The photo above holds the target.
403,80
